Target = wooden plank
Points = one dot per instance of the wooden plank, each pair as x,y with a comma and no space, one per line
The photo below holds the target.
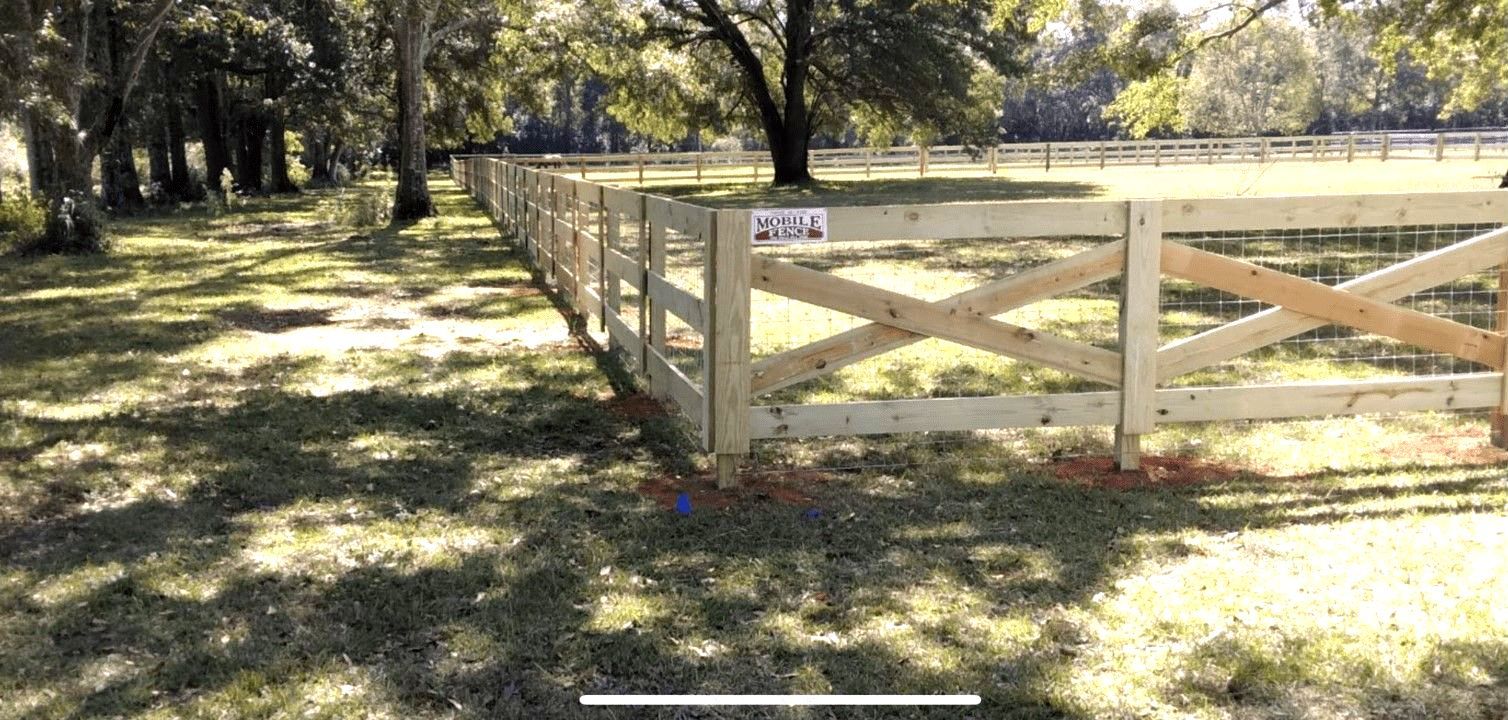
675,386
1294,213
977,220
933,415
679,216
623,267
1269,326
624,336
1138,330
728,336
623,201
1335,306
680,303
1348,397
920,316
988,300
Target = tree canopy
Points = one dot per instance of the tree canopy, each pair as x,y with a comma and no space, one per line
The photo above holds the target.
253,96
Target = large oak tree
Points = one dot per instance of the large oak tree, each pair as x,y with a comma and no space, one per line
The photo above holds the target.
791,68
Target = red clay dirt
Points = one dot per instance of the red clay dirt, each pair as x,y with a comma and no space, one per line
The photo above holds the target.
1156,471
1468,447
780,487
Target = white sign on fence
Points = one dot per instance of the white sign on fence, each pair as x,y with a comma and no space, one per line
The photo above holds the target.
789,227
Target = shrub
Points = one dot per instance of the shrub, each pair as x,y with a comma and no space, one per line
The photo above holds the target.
75,225
363,209
22,222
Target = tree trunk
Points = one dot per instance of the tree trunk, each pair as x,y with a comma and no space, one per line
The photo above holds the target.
412,198
36,166
119,182
159,165
277,148
316,153
177,186
277,141
211,130
251,133
790,152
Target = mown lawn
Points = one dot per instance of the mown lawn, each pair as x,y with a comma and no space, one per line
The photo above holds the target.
270,465
901,187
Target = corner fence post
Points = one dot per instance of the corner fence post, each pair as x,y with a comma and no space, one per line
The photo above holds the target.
1138,330
727,334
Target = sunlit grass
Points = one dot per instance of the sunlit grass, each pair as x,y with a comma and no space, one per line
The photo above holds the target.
946,185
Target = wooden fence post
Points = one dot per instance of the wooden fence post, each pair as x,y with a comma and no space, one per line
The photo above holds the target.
698,167
1439,146
601,258
1350,148
641,171
1138,330
1262,153
583,167
994,166
1387,144
868,159
641,254
579,281
1500,415
1476,148
1047,157
612,286
728,378
1157,155
1102,156
554,230
658,384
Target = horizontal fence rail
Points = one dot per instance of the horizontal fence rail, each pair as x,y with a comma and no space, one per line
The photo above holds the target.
694,306
638,168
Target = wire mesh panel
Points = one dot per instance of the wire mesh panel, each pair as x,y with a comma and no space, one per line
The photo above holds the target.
1330,256
914,366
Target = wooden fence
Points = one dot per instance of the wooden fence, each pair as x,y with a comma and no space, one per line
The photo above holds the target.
608,251
635,168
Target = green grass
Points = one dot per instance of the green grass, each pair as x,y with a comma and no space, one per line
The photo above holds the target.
900,187
267,465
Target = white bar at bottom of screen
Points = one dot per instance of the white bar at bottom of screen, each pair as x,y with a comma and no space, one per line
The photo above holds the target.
704,700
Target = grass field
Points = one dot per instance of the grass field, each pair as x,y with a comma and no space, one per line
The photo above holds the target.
898,187
270,465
